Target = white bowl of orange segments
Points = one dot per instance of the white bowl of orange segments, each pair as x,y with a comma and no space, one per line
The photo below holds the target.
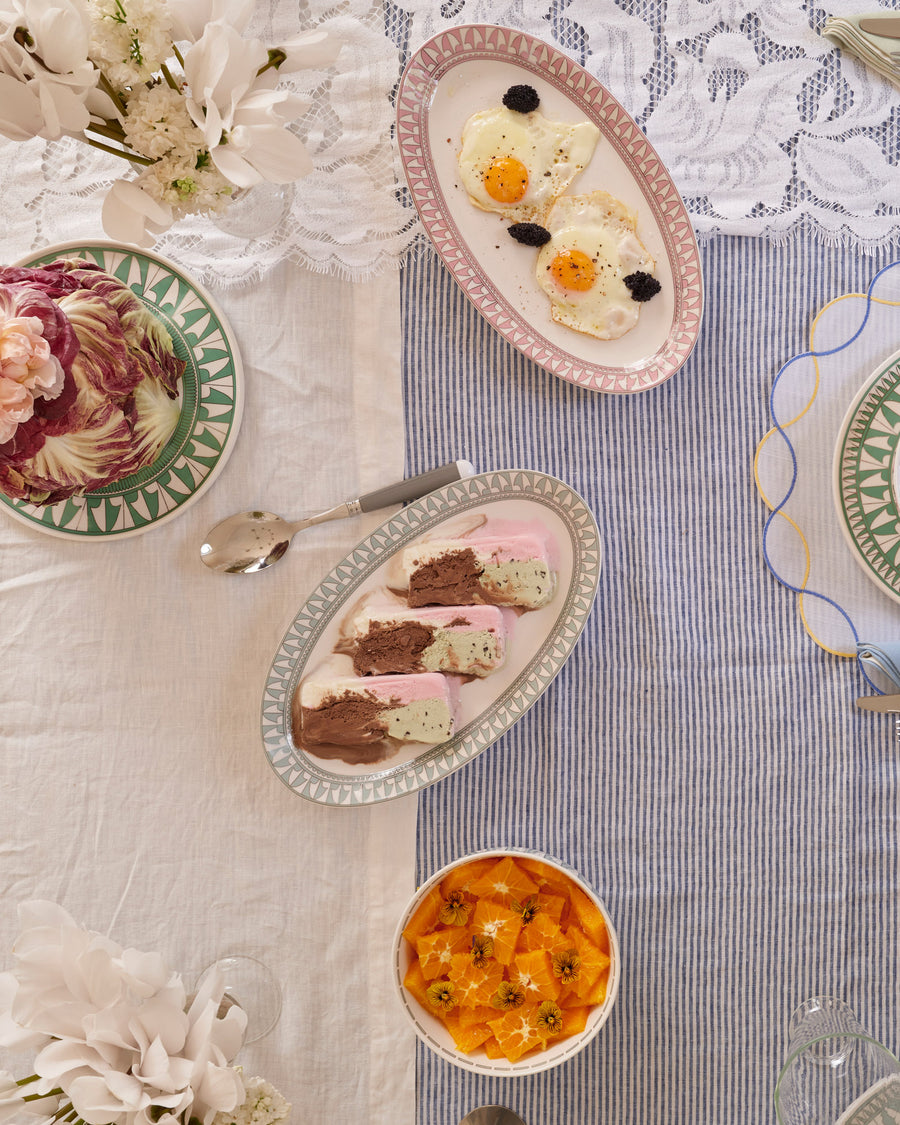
506,962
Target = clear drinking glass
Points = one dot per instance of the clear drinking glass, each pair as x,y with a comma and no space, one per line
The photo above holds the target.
836,1073
253,987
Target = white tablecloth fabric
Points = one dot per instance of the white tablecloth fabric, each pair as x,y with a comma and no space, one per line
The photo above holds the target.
133,782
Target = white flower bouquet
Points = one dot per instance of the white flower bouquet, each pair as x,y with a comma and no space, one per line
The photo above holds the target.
117,1040
173,86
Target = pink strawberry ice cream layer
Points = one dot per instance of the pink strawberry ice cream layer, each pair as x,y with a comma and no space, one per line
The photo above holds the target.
392,691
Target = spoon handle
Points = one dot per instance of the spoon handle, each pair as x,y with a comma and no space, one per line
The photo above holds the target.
414,487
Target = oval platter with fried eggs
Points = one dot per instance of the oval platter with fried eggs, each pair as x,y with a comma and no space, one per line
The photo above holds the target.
469,68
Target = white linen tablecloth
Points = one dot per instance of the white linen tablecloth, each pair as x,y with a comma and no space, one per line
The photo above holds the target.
134,786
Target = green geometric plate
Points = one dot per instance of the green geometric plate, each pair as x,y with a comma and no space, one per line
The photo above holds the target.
865,477
212,397
539,645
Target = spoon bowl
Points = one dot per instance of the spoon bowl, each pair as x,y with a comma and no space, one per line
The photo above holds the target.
247,542
492,1115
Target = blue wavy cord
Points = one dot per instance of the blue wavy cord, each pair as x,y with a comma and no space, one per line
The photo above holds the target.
774,512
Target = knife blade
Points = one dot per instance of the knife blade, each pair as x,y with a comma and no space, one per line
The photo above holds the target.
887,26
886,704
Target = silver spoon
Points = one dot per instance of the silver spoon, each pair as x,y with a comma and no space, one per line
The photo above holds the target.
251,541
492,1115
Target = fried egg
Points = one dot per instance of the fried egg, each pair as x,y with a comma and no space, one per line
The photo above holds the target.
518,163
593,248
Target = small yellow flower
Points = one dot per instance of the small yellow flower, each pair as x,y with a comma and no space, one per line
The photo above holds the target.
567,966
442,995
482,949
508,996
527,909
455,910
549,1018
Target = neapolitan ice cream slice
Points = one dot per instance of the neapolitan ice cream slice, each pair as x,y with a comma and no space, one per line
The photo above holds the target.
512,565
465,640
367,711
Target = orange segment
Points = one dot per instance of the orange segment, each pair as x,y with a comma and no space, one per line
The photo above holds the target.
474,985
574,1021
590,919
492,1048
534,972
504,881
435,950
517,1031
461,878
551,906
416,984
542,933
593,962
596,994
481,1014
467,1036
500,925
548,879
425,917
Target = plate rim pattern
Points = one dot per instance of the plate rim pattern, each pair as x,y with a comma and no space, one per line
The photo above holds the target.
433,60
876,549
310,778
126,512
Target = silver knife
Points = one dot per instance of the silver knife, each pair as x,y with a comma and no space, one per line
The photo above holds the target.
886,704
887,26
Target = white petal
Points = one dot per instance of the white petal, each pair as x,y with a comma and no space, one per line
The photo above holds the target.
61,30
234,167
269,107
93,1100
217,1089
221,66
279,156
311,49
130,215
190,17
100,104
20,110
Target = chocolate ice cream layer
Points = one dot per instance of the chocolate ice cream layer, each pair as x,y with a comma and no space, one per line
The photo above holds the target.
453,579
392,648
349,721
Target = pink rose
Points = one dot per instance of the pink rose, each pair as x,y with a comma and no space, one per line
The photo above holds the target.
16,406
28,370
25,356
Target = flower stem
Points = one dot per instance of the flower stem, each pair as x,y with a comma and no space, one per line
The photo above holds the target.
170,81
125,154
105,129
106,86
37,1097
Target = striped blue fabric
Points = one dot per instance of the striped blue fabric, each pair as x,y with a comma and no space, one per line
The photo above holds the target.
698,759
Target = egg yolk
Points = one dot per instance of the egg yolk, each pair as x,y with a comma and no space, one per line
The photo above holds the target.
573,269
506,180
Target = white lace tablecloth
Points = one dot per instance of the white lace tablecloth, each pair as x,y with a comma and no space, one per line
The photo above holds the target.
766,127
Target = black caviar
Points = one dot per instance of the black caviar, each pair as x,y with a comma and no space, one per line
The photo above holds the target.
529,234
643,285
522,99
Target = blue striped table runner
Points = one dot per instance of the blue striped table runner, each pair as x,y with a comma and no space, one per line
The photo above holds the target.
698,759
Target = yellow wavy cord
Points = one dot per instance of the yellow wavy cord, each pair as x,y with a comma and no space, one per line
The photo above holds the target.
774,430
